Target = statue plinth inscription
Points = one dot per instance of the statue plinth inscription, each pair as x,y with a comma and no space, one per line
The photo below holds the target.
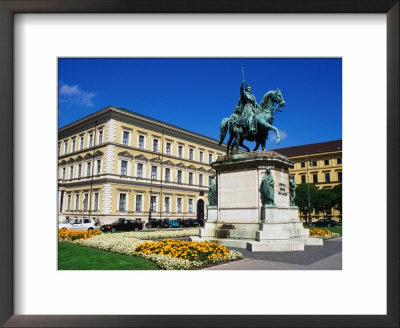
282,189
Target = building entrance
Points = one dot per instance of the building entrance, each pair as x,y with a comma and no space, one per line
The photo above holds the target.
200,209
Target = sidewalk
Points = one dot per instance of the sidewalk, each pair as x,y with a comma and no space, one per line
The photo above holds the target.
326,257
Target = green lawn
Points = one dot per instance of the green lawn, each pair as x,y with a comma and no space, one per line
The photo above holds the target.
337,229
75,257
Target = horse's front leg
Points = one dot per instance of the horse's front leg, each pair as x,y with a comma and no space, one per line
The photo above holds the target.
233,145
271,127
263,144
278,138
241,144
237,141
257,145
231,136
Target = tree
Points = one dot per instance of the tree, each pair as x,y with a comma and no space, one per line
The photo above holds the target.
301,199
337,190
325,200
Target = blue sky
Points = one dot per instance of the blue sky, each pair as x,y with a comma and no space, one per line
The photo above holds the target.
196,94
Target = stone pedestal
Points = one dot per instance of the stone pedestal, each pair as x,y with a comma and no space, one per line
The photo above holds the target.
212,214
240,219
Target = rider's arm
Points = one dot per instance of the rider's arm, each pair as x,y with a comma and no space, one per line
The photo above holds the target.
242,94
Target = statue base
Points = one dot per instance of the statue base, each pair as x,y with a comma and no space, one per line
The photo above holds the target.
212,213
240,220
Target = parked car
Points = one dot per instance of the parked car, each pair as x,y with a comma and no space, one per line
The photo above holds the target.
186,223
173,224
122,225
164,223
191,222
78,224
325,223
197,223
180,221
153,223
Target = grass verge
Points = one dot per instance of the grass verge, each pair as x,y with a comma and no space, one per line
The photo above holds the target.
75,257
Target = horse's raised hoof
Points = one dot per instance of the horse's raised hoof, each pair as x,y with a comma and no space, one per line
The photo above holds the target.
278,141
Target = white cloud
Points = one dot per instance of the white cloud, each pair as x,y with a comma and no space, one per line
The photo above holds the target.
69,90
282,134
72,94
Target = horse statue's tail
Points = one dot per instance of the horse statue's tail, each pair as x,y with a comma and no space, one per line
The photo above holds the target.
223,129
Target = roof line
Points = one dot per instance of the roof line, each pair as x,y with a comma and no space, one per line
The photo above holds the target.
129,112
314,148
304,145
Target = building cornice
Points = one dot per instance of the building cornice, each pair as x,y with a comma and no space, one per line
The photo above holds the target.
314,155
85,119
145,119
112,178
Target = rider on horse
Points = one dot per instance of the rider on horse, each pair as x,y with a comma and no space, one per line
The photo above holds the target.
248,107
251,121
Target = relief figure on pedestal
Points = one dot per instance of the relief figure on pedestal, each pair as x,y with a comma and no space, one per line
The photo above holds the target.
212,193
267,189
292,188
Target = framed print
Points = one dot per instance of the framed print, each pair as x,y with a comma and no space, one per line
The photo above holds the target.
33,291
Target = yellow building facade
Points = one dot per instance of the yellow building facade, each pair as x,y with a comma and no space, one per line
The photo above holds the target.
117,163
319,164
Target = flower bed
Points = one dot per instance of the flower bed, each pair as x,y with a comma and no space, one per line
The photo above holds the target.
323,233
170,263
170,254
152,235
180,255
319,232
71,235
117,243
126,242
183,250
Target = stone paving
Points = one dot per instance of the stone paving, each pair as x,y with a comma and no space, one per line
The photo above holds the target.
326,257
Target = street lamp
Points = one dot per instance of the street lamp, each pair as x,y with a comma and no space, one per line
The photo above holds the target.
151,189
308,193
161,173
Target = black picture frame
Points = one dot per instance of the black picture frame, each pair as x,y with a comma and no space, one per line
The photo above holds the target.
10,7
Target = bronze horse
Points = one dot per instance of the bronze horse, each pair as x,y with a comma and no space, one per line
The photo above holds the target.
263,115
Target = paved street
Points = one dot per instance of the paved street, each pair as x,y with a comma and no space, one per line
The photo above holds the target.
327,257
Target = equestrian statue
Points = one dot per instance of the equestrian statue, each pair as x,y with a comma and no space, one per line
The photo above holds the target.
251,121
